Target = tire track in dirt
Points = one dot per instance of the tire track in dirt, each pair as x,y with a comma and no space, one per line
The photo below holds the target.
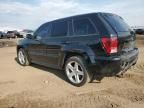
6,82
132,94
138,68
92,101
135,78
25,100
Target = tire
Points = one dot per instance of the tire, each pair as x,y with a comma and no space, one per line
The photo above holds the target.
76,71
23,57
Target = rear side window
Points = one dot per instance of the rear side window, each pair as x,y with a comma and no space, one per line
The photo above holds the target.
83,27
117,23
59,29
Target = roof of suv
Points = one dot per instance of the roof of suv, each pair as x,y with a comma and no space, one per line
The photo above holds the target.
82,15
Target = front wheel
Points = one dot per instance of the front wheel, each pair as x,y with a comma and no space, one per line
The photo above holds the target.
23,57
76,72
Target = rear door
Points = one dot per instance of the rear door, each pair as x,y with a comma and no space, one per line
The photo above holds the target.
126,37
84,34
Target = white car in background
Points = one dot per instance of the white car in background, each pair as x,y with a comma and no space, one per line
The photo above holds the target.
25,32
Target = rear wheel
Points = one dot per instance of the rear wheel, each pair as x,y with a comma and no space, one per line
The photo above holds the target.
23,57
76,72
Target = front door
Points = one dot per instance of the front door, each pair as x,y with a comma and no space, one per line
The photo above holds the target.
37,47
36,51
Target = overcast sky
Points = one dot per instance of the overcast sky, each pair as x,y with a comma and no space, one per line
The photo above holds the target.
32,13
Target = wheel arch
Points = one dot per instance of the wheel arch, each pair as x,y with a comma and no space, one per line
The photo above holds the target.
21,46
25,50
69,54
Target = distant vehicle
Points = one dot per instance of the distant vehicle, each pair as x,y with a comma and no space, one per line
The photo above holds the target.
10,34
1,34
25,32
18,35
81,45
139,31
13,34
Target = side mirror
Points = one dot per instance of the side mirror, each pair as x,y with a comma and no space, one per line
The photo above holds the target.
29,36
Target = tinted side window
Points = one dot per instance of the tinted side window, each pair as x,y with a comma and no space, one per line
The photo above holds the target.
59,28
83,27
43,31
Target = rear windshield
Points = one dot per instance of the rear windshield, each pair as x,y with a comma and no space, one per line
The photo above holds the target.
117,23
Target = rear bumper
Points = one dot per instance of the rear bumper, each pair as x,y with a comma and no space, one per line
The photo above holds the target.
114,64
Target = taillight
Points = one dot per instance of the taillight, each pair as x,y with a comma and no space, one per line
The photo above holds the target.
110,44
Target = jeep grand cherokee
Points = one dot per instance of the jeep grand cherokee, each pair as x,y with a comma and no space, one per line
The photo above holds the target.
81,45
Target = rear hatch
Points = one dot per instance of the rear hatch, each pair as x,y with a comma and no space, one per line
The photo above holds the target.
126,37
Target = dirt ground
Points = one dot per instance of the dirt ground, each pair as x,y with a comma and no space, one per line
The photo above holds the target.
40,87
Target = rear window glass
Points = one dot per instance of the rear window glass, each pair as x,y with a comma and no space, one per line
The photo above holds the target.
117,23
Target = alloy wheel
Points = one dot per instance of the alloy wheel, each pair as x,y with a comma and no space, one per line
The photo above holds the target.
21,57
74,72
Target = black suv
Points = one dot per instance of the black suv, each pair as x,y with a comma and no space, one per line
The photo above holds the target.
81,45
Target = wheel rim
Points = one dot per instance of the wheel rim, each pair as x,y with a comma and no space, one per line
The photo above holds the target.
74,72
21,57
